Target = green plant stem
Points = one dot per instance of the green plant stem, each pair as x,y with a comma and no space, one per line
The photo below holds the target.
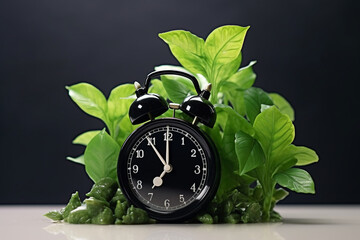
268,186
213,95
267,205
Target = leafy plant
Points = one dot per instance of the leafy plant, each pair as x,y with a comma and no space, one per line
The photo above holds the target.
106,205
255,127
253,132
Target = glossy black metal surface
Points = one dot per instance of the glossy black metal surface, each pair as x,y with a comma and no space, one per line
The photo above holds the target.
147,107
197,106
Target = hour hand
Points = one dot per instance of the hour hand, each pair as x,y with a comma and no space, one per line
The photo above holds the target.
156,151
157,181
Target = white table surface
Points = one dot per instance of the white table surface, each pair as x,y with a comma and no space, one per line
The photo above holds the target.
300,222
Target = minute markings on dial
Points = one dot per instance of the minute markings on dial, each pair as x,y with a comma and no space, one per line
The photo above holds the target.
181,156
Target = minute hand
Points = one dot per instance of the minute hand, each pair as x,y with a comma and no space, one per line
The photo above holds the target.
156,151
167,145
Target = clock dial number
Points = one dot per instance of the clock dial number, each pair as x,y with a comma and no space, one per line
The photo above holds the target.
197,169
139,184
151,195
140,153
181,198
167,203
135,169
156,151
170,136
152,140
193,153
183,141
193,188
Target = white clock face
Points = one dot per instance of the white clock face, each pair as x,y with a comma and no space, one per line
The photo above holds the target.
167,168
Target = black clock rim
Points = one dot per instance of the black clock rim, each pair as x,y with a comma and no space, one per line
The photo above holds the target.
212,181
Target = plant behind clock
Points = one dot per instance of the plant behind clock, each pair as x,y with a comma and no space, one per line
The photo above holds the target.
253,134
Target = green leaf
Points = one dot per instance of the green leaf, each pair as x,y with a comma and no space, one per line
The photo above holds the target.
231,122
119,103
85,138
283,105
178,88
229,179
89,99
249,152
240,123
306,156
54,215
73,203
234,87
223,46
274,131
264,107
79,159
302,155
244,78
235,97
280,194
283,162
120,100
254,98
228,144
222,72
158,88
296,179
101,156
187,49
123,129
214,133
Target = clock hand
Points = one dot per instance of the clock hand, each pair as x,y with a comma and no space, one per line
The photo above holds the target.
157,181
156,151
167,145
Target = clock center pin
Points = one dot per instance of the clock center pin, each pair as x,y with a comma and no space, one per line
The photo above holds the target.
167,168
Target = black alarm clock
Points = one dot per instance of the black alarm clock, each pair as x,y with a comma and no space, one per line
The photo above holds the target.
169,167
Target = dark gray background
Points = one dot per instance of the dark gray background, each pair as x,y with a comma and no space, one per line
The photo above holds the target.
306,50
